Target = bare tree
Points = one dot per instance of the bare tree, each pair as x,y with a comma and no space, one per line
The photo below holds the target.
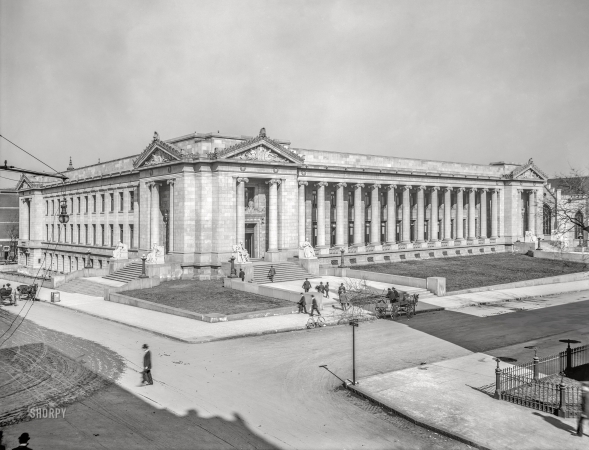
571,207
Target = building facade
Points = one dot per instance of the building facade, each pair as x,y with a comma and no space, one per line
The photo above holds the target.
9,223
200,194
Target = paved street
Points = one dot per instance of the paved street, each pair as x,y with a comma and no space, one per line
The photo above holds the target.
266,391
273,383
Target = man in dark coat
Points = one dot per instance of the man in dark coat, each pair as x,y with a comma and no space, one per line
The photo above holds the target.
306,285
271,273
314,306
302,304
147,365
320,288
242,274
23,442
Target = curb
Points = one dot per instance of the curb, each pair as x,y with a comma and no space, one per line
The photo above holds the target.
417,422
523,297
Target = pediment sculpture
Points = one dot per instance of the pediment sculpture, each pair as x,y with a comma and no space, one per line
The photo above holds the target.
261,153
121,251
529,174
156,158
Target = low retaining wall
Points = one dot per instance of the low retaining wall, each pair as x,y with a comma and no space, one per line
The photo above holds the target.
580,276
436,285
210,318
562,256
58,280
138,283
27,279
262,289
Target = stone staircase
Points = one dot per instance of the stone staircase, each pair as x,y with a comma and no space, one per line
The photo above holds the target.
285,271
126,274
82,286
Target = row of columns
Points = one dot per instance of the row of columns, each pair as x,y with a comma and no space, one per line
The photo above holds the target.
391,219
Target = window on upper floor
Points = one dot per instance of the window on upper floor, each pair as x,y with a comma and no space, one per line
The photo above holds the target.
131,200
112,202
121,201
52,207
94,203
46,207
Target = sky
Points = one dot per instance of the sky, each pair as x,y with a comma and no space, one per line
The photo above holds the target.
466,81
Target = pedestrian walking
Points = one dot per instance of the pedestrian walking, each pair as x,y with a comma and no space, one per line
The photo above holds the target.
23,442
271,274
242,274
314,306
147,365
302,304
584,408
306,285
341,289
326,289
320,288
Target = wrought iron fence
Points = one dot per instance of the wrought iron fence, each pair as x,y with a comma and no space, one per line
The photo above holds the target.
526,384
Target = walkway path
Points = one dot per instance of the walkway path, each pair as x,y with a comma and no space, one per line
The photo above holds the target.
442,396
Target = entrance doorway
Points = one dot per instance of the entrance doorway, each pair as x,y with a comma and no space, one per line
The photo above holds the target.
249,243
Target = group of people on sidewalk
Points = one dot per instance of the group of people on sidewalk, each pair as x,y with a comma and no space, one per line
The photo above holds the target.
8,295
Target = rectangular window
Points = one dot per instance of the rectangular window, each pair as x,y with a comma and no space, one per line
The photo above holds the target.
46,207
52,207
102,203
121,233
112,202
131,200
47,232
249,192
112,235
121,201
131,236
86,204
314,199
102,237
79,235
72,205
94,203
79,205
93,234
52,233
86,235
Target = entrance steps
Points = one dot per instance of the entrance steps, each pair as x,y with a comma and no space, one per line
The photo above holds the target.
126,274
285,271
82,286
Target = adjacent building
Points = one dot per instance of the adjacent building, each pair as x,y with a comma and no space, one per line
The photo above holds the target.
9,223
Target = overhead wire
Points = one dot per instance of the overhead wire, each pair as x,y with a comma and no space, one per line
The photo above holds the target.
31,155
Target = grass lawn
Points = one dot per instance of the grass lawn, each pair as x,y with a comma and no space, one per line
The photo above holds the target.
467,272
206,297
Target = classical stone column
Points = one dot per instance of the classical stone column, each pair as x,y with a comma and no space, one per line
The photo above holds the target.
321,213
302,214
375,216
171,216
406,224
532,211
340,225
155,214
459,213
447,213
391,214
420,214
358,232
483,215
494,194
25,230
434,214
472,213
240,211
272,215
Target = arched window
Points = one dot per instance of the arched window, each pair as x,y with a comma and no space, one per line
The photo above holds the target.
579,220
547,220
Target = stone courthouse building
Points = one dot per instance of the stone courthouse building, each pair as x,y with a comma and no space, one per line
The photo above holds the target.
200,194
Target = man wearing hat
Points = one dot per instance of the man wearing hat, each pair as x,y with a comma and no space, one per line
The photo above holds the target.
584,408
23,442
147,365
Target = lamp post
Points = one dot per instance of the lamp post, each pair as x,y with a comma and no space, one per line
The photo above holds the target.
143,259
342,252
63,215
88,266
569,352
233,273
354,323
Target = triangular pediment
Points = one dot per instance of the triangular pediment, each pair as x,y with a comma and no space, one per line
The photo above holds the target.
156,153
260,148
528,171
24,183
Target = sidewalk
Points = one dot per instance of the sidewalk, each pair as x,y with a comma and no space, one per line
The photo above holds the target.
442,396
505,295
